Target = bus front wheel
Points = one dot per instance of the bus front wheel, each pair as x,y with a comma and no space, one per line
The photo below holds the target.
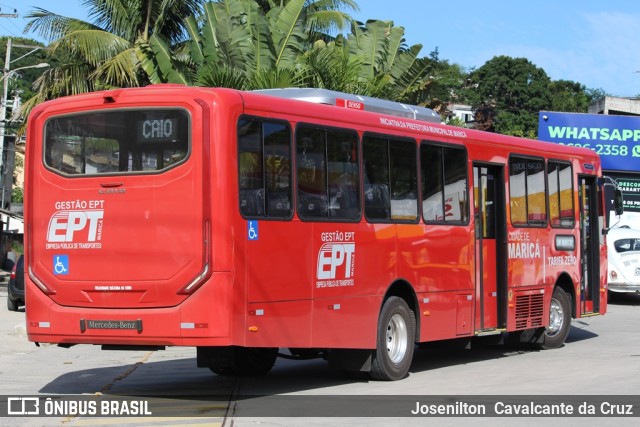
559,320
395,342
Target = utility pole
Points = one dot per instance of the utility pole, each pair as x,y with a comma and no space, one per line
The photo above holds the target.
5,195
3,122
2,129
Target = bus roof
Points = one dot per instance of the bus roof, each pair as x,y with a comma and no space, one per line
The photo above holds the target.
359,102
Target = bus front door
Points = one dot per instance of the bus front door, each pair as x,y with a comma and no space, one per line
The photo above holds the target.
490,232
589,245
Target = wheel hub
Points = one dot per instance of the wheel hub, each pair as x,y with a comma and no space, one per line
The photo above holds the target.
556,317
397,338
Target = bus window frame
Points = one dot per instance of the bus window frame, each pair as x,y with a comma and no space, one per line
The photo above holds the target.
573,204
295,170
391,137
189,136
429,142
292,200
529,223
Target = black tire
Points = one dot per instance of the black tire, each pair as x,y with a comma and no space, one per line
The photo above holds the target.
249,361
559,320
12,305
396,341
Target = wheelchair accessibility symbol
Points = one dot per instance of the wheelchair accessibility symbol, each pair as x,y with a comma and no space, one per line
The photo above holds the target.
252,230
61,264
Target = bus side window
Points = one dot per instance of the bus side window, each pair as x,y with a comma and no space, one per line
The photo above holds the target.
377,200
264,171
328,174
432,183
560,190
343,177
444,183
527,191
390,189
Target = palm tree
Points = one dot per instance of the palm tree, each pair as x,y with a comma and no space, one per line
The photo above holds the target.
321,16
236,45
109,51
230,43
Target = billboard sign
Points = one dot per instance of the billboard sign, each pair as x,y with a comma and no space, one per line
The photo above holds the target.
615,138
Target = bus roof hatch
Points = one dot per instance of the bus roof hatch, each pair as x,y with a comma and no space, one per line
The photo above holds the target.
357,102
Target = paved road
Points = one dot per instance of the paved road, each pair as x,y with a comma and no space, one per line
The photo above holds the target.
602,357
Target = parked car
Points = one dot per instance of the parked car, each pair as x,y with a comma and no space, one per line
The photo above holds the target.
15,294
624,260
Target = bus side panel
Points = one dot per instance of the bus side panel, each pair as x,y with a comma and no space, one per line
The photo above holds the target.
346,322
445,315
277,262
529,295
279,324
436,258
438,262
353,264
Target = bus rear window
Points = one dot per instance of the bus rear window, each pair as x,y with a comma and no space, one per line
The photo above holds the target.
115,142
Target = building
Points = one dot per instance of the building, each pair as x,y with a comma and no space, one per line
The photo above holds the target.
611,105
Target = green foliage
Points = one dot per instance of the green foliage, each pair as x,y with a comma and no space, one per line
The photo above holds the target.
569,96
113,49
17,195
21,82
455,121
517,90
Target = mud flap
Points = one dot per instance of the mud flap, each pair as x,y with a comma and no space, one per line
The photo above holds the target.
350,360
222,357
534,337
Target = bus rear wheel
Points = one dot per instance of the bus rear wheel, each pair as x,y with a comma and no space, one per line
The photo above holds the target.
249,361
395,343
559,320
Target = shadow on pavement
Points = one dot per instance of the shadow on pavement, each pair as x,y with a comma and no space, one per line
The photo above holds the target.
175,377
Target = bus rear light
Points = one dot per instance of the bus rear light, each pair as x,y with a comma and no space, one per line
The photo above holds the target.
613,274
44,288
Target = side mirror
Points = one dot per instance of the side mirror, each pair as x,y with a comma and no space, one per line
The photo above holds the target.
618,202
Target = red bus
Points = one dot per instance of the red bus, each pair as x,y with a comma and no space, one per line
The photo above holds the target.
253,225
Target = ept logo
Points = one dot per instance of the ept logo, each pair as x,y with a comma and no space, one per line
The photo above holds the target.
64,225
334,255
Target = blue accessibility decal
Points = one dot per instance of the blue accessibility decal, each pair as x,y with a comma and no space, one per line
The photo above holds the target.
252,229
61,264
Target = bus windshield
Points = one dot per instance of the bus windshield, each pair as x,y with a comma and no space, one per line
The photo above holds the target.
115,142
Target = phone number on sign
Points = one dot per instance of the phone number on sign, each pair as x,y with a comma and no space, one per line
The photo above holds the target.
608,149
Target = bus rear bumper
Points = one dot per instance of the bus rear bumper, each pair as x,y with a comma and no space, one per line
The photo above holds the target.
194,322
